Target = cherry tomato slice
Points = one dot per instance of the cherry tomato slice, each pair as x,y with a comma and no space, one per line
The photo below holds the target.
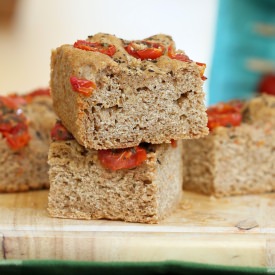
183,57
18,137
174,143
59,132
145,49
203,67
13,123
39,92
8,102
104,48
82,86
122,158
223,114
28,98
267,84
18,99
178,56
10,120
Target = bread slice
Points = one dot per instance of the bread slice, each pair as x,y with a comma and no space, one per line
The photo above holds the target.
81,188
232,161
134,101
26,168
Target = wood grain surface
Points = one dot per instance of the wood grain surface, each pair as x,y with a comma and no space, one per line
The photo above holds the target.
236,231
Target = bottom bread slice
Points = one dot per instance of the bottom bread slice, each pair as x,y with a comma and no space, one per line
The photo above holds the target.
81,188
231,161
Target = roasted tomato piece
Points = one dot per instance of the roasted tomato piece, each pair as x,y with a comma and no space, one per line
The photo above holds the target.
18,99
145,49
82,86
8,102
267,84
237,103
174,143
13,123
122,158
18,136
179,56
27,98
183,57
39,92
223,114
59,132
10,120
104,48
202,66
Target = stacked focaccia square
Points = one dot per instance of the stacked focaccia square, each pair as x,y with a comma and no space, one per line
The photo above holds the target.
124,105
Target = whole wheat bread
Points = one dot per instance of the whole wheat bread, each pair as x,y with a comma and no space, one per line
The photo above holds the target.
26,168
236,160
135,100
81,188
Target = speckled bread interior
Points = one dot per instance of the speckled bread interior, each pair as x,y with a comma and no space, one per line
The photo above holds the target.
81,188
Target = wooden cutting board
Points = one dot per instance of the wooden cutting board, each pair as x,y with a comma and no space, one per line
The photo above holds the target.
237,231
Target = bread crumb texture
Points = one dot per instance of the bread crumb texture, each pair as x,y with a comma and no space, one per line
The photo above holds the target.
82,189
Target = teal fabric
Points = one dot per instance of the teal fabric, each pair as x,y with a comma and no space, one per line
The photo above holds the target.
57,267
237,42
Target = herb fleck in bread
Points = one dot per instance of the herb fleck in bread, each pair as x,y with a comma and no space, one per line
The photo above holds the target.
81,188
135,100
26,168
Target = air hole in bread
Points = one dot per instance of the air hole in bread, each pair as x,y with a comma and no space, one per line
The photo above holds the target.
140,89
183,117
87,112
84,152
181,99
136,127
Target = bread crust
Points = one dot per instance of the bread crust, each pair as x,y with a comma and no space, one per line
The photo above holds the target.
135,101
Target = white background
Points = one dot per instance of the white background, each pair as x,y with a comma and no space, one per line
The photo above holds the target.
40,26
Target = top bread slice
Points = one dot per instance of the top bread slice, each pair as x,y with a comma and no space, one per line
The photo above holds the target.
134,101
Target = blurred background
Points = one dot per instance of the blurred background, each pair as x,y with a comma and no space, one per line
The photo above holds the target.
32,28
236,39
